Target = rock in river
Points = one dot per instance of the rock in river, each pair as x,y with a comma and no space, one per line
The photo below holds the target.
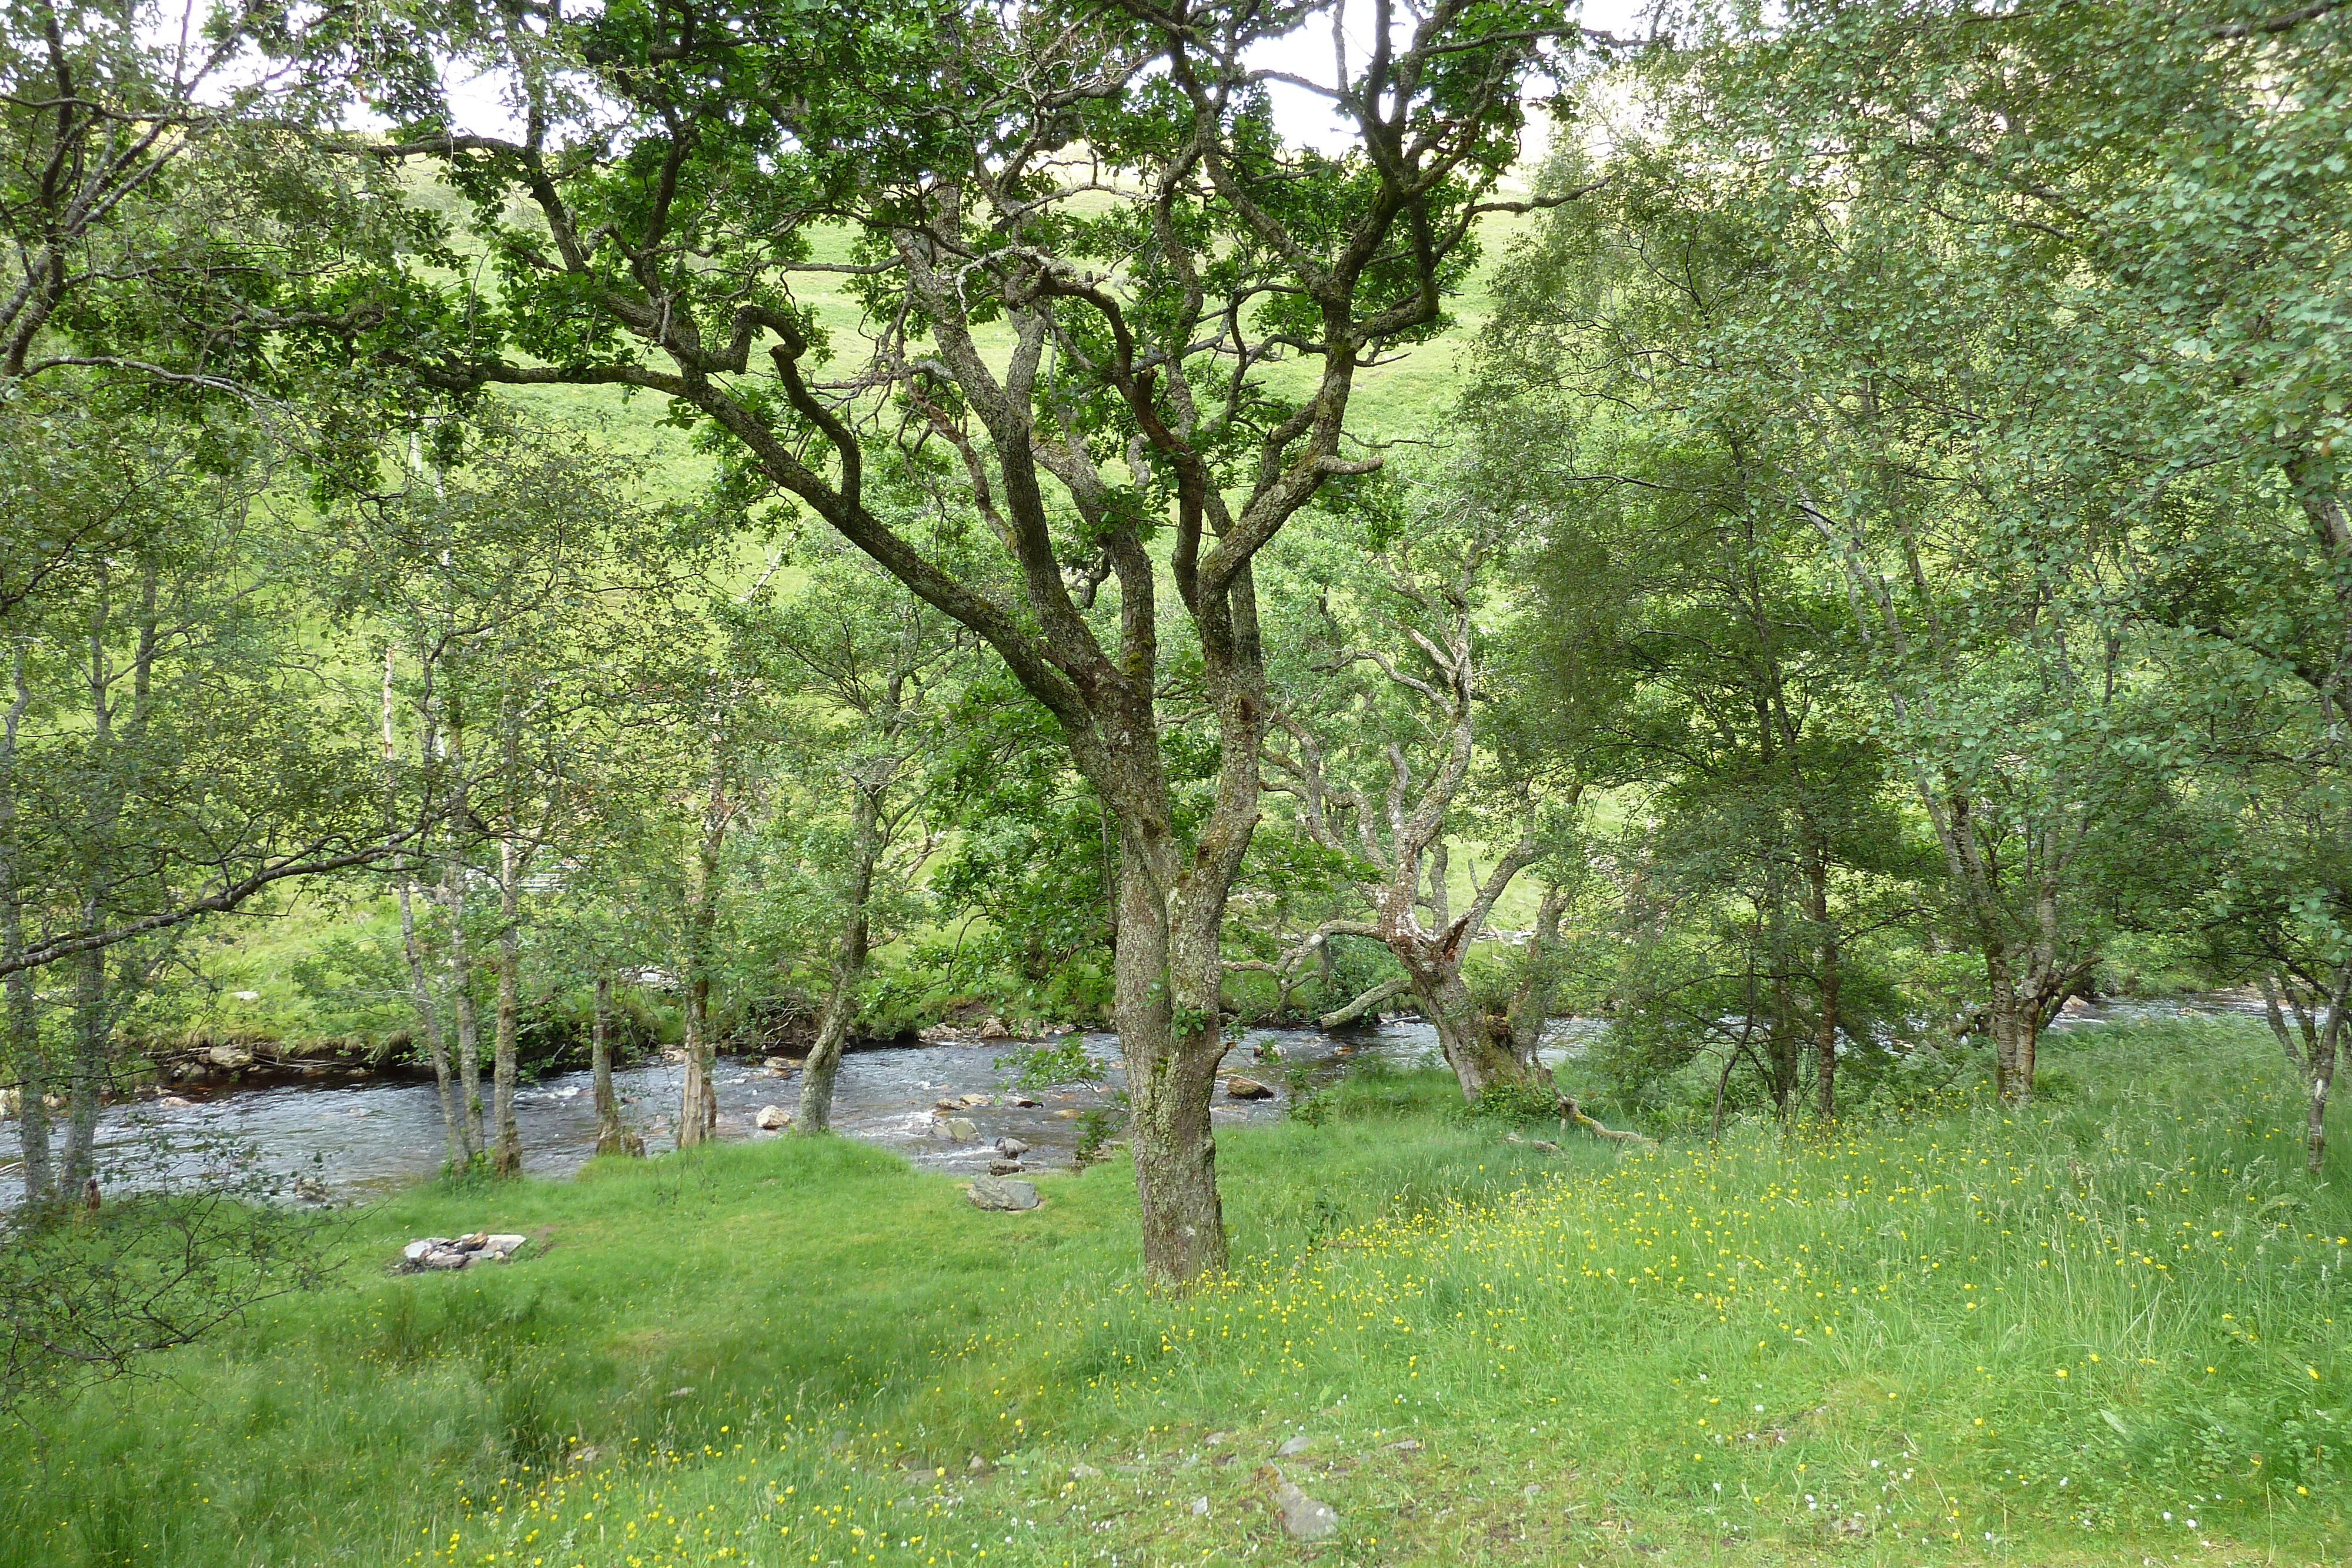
1247,1089
771,1117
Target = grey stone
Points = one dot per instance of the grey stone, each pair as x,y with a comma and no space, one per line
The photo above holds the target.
1247,1089
1410,1446
415,1252
503,1246
1002,1193
1290,1446
1200,1508
230,1056
1005,1167
1011,1148
771,1117
960,1128
1304,1518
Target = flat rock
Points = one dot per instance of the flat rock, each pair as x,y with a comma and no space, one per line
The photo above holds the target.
1247,1089
1290,1446
1303,1517
960,1128
1002,1193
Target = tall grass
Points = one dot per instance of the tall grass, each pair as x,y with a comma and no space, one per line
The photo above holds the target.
2057,1334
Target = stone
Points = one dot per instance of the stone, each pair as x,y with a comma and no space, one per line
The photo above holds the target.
309,1190
229,1056
175,1102
980,1466
1215,1438
995,1030
1022,1101
1247,1089
1410,1446
473,1242
971,1102
771,1117
446,1257
504,1245
1011,1148
1304,1518
1005,1167
1200,1508
415,1252
1298,1444
1070,1113
960,1128
999,1193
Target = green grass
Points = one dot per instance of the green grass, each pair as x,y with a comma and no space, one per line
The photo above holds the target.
1964,1336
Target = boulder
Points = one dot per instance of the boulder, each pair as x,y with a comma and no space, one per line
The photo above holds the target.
415,1252
1021,1099
995,1030
229,1056
971,1102
959,1128
771,1117
1002,1193
1010,1148
1304,1518
1239,1088
309,1190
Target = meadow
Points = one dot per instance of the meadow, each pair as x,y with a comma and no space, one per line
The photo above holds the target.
2100,1329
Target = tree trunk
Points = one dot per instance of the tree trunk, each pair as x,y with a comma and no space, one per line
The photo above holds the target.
849,954
24,1026
611,1137
437,1044
1170,1035
2324,1049
1538,990
1825,1032
698,1110
1480,1059
506,1149
461,1002
86,1069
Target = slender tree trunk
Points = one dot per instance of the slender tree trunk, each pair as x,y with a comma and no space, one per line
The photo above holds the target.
506,1149
461,1002
1827,980
26,1058
849,954
86,1072
611,1137
697,1113
428,1020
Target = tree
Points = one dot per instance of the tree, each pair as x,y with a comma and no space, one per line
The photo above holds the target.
872,669
1379,750
1080,243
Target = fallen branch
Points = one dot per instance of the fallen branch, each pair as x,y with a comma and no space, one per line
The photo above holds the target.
1570,1112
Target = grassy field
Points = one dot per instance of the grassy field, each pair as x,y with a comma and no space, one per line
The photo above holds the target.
2104,1329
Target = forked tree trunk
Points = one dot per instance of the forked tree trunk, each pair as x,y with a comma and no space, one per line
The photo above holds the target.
611,1137
849,956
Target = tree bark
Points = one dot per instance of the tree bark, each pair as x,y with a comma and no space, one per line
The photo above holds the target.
461,1002
24,1026
849,956
436,1045
506,1149
611,1137
93,1031
698,1111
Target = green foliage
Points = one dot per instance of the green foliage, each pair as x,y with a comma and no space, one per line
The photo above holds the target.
1042,1067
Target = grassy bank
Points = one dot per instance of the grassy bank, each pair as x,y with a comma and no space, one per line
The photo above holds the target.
1966,1335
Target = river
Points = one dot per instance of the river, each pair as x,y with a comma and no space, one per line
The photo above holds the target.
365,1138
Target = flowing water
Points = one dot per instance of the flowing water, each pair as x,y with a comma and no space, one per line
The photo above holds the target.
365,1138
369,1137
